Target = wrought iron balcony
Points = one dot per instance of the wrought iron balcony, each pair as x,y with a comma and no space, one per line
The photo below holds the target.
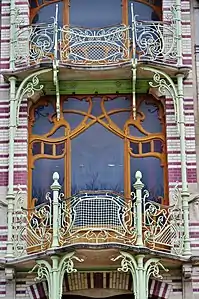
98,218
145,41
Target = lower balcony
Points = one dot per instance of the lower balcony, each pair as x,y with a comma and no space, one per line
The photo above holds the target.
98,218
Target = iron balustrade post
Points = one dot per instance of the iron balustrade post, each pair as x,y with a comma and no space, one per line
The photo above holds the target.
10,192
55,187
184,193
12,34
138,189
178,31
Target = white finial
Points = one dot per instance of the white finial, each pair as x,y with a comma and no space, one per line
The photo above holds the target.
55,176
138,175
138,184
55,185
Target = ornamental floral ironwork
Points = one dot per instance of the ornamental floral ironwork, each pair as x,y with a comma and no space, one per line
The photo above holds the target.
87,46
156,41
34,44
153,41
99,217
96,217
32,227
163,226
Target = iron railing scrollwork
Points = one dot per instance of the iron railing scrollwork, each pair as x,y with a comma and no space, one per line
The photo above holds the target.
153,41
99,217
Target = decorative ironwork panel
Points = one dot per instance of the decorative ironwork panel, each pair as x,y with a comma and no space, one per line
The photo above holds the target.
99,217
34,44
32,227
156,41
162,225
96,217
87,46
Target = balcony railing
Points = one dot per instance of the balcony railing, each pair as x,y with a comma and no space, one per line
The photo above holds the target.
147,41
97,218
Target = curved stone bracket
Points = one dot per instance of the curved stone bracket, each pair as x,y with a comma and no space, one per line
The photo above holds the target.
165,84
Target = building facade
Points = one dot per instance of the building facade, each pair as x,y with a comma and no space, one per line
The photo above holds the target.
99,143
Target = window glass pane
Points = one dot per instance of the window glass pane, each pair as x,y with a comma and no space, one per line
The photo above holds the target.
97,160
152,176
43,123
95,13
42,177
46,13
151,122
36,148
143,12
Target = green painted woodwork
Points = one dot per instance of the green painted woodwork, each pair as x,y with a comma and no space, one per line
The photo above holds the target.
98,87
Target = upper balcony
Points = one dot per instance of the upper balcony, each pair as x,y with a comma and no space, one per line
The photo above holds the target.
154,42
99,218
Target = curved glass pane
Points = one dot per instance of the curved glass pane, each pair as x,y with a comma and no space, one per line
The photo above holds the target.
60,132
47,13
43,124
118,103
75,104
95,13
151,122
42,177
143,12
133,131
152,176
97,160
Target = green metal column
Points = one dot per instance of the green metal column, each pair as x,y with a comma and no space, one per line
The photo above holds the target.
184,193
138,187
10,193
55,187
141,269
178,31
12,34
53,272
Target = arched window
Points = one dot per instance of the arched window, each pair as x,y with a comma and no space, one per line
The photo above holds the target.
97,145
94,13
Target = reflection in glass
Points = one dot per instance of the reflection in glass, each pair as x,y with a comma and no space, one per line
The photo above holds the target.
60,132
151,123
36,148
97,160
143,12
95,13
42,176
42,124
158,146
48,149
134,148
152,176
47,13
146,147
60,148
118,103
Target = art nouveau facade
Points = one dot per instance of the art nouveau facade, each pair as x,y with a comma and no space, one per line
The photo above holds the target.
98,183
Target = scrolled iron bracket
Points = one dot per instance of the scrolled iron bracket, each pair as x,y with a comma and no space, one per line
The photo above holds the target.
165,85
28,87
141,271
54,272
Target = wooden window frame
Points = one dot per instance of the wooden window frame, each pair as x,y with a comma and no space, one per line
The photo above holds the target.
127,147
66,8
